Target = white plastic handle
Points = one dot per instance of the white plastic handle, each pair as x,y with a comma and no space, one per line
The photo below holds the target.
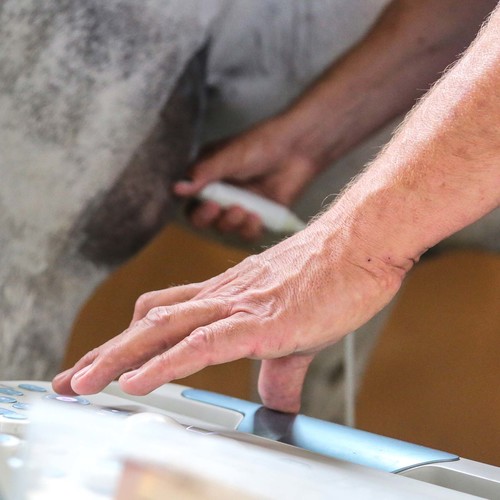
275,217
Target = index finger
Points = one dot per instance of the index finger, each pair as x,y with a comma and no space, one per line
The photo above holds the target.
158,331
165,297
223,341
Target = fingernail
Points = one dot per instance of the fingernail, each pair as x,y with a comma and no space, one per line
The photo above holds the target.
82,372
127,376
186,188
62,374
182,185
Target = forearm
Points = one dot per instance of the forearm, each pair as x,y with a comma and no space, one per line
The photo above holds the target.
441,170
380,78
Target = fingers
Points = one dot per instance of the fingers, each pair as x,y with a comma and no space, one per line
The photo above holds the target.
226,161
157,332
62,382
203,173
188,188
253,229
231,219
281,381
205,214
234,219
145,303
168,296
220,342
218,161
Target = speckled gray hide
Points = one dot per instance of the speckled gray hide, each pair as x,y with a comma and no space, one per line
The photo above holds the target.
99,110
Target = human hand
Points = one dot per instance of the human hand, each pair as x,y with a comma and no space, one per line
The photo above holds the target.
263,160
281,306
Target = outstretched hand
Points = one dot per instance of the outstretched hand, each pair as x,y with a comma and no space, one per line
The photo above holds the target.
281,306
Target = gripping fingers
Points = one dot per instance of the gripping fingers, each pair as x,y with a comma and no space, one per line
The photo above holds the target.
204,215
236,219
253,229
220,342
231,219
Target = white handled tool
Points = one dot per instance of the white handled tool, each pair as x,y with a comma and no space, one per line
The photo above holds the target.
275,217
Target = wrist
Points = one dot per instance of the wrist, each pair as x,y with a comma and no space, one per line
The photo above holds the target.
361,228
354,277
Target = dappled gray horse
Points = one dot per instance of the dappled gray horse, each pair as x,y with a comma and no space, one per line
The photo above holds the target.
100,110
100,105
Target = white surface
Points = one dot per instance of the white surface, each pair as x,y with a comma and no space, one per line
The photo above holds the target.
75,448
178,409
462,475
9,446
100,445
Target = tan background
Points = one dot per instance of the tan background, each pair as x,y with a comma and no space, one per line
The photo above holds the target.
433,379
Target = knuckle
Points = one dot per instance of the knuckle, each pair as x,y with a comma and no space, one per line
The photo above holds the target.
257,351
163,360
143,303
93,354
259,307
158,316
254,260
200,342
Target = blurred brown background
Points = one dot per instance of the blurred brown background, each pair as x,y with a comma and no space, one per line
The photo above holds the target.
434,376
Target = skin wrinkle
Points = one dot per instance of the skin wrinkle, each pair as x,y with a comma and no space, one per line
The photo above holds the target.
159,316
142,303
337,264
228,277
380,272
262,304
276,343
201,340
264,308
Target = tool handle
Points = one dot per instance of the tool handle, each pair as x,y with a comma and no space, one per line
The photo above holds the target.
275,217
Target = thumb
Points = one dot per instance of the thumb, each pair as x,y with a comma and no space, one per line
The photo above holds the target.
281,381
210,169
186,188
